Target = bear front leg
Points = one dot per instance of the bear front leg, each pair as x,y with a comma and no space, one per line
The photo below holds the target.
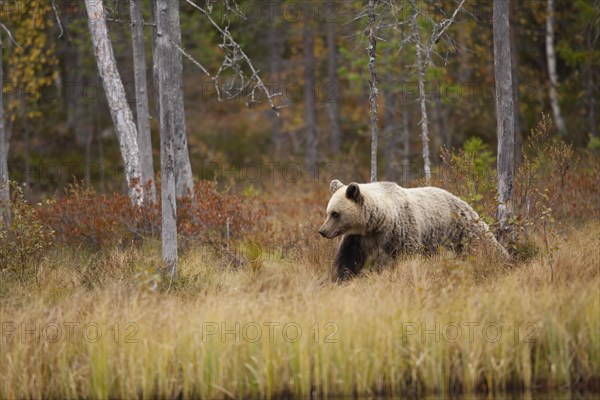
350,258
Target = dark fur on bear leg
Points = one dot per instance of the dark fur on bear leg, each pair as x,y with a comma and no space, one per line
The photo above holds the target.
350,258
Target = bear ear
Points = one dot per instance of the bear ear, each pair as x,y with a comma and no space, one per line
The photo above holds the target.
335,185
353,193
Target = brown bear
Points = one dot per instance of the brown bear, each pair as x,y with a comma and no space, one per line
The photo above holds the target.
383,218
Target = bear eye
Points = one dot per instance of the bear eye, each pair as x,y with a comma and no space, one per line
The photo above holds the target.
335,215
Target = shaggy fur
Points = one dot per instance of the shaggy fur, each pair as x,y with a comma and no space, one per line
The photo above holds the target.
383,218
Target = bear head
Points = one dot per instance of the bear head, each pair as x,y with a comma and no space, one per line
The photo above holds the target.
344,211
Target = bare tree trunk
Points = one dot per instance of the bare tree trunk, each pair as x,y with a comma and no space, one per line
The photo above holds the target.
551,58
275,43
422,95
4,189
371,51
515,82
169,86
141,98
115,95
309,92
154,55
184,179
333,89
504,113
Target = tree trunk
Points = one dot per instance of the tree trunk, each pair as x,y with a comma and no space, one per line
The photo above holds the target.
115,95
275,43
141,98
551,58
184,179
515,82
169,89
309,93
154,56
422,96
504,113
332,93
4,189
371,51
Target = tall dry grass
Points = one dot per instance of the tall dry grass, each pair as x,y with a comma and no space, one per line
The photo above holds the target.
93,326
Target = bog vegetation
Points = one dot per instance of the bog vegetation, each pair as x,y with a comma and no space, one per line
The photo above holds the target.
255,313
87,309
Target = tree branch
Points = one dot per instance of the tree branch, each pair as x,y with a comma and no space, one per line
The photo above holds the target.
57,19
439,30
232,61
10,35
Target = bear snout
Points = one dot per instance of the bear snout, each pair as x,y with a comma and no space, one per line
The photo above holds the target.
326,233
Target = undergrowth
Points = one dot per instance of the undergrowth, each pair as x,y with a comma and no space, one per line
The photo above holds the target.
252,262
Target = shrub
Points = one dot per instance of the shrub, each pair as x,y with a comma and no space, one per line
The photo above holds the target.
83,217
541,184
24,240
471,170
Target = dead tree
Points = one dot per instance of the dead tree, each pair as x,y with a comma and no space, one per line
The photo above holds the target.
141,98
423,53
168,81
371,52
504,113
421,69
117,102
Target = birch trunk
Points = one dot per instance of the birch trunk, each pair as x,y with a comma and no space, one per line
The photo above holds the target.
504,113
333,89
551,58
422,96
309,93
115,95
4,189
141,98
371,51
168,88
